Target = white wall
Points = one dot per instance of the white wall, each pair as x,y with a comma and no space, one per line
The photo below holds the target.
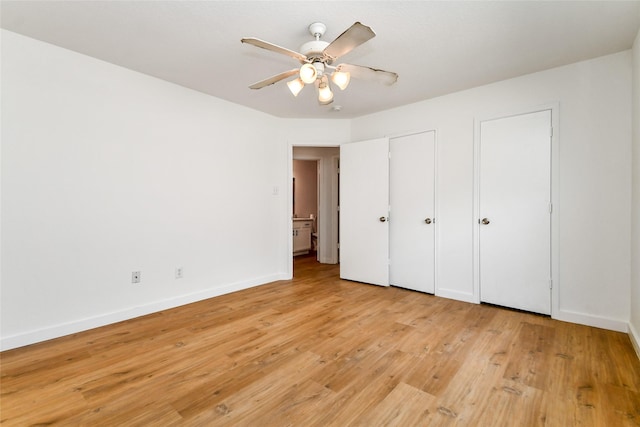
106,171
594,174
634,324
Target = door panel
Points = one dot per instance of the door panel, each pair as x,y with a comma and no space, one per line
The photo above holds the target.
364,200
411,236
515,193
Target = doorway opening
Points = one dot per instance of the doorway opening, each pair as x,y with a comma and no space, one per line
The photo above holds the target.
305,207
314,204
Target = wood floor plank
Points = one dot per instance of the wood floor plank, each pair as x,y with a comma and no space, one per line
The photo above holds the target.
467,395
320,351
365,391
247,404
531,353
404,406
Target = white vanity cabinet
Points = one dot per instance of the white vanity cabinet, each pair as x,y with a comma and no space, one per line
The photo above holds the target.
302,235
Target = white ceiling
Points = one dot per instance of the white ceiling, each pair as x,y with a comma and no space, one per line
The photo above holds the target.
435,47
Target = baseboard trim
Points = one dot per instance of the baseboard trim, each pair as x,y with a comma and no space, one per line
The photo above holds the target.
635,339
60,330
590,320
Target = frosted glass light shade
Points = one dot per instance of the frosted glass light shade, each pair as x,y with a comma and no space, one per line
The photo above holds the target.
295,86
341,79
308,73
325,96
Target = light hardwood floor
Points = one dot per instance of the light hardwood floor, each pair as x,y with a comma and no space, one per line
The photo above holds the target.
319,351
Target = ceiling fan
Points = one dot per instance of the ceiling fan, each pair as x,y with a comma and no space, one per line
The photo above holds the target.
317,57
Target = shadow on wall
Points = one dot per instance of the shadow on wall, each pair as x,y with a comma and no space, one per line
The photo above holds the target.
305,190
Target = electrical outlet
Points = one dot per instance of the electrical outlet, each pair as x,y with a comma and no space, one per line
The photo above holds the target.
179,272
135,277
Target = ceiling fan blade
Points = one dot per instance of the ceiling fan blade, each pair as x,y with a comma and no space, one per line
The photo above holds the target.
274,79
274,48
353,37
367,73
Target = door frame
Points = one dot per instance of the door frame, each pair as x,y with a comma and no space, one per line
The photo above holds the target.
555,187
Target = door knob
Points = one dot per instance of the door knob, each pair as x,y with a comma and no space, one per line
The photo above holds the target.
383,219
485,221
428,220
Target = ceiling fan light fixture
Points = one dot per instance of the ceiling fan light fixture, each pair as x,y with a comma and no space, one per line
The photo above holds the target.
325,95
341,79
308,73
295,86
316,58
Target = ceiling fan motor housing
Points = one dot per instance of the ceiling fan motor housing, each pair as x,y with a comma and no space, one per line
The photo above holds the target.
314,50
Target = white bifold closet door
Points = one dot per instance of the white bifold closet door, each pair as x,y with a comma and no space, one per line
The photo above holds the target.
364,209
412,213
515,211
387,224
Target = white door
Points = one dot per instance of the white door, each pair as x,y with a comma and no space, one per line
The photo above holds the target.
515,220
411,217
364,208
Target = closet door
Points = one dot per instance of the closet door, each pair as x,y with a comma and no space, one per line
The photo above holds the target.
515,218
412,222
364,208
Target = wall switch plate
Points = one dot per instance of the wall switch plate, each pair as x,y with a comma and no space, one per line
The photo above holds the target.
135,277
179,272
